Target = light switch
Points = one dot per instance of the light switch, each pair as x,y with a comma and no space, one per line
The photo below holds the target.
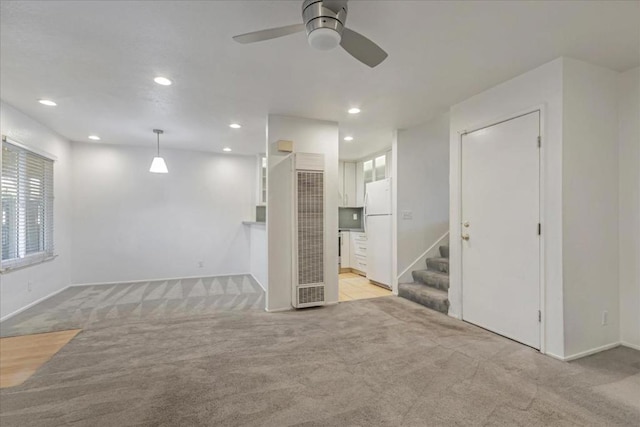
407,214
355,216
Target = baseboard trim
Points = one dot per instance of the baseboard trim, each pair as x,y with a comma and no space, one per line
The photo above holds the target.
592,351
628,344
423,255
159,279
258,282
554,356
20,310
278,310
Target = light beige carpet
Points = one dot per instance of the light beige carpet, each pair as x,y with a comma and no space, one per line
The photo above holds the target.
376,362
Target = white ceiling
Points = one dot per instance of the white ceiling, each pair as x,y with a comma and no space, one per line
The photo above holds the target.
97,60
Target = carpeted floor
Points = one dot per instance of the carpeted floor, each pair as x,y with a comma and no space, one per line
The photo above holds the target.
83,306
376,362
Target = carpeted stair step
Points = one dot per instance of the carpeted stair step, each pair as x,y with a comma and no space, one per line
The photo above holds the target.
444,251
438,264
433,279
434,299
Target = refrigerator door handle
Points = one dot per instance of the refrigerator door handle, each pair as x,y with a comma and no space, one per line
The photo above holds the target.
366,197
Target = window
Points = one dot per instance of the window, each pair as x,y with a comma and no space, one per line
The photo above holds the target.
27,207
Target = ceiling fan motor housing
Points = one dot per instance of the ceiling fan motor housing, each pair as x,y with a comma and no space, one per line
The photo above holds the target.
324,25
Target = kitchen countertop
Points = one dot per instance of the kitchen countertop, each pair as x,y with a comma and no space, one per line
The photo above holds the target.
357,230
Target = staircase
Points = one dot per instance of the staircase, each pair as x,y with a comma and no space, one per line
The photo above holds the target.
430,287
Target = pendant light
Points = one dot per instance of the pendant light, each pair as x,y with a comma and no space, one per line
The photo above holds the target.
158,165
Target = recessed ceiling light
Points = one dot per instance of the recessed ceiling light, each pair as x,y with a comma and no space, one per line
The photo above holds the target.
235,126
348,138
47,102
227,149
94,137
354,110
162,81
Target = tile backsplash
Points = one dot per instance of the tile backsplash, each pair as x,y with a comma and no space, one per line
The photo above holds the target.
261,213
345,218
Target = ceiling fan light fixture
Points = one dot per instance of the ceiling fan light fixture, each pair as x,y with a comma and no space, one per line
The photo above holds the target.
324,38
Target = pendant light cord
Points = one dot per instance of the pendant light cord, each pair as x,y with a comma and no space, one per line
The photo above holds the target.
158,132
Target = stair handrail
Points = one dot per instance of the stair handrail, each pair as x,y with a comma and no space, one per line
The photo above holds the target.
423,254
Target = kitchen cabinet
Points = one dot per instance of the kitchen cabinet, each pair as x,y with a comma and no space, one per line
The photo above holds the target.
360,184
345,249
350,184
347,185
371,170
358,251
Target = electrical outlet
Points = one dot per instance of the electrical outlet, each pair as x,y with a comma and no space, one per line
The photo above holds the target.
200,264
29,286
355,216
407,214
605,318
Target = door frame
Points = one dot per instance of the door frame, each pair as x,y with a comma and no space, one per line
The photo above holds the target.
456,228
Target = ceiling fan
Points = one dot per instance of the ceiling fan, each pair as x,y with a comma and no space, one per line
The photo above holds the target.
324,21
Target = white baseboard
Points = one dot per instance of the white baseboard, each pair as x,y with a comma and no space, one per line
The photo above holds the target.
163,279
554,356
278,310
592,351
628,344
20,310
421,258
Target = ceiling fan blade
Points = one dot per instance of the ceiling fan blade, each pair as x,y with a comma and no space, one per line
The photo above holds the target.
271,33
361,48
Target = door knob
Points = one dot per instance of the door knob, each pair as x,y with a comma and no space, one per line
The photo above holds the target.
465,237
466,223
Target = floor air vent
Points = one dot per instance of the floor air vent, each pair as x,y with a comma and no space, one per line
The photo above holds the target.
310,295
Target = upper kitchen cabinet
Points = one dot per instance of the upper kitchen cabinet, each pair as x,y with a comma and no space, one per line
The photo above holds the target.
347,185
370,170
350,185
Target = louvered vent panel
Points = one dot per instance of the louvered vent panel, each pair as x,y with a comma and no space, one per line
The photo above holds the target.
310,294
310,228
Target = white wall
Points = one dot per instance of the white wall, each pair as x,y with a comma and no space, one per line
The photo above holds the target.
308,136
52,276
629,202
541,86
130,224
590,206
258,255
423,189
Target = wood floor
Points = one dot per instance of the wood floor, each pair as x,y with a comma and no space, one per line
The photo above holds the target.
353,286
21,356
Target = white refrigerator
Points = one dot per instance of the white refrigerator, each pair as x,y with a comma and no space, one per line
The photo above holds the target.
378,221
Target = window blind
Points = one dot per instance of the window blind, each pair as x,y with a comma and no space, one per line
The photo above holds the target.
27,207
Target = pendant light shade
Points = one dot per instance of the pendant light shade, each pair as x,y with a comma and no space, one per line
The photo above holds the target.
158,164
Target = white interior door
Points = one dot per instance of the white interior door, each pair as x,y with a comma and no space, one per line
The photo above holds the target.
500,216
